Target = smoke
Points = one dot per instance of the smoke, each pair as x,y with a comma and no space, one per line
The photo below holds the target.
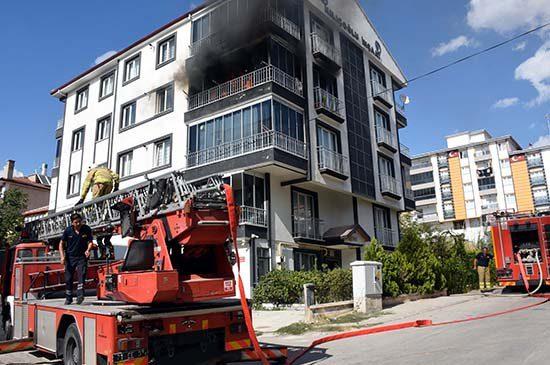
180,77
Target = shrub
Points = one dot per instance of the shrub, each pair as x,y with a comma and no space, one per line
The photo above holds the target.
284,287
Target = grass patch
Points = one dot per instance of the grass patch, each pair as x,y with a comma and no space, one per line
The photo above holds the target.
355,317
298,328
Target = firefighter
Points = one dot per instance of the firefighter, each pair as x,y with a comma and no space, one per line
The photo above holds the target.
74,248
481,264
102,181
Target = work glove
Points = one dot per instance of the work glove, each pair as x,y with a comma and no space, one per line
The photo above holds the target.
79,202
115,188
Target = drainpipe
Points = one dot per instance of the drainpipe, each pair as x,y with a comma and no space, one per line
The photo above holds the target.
113,118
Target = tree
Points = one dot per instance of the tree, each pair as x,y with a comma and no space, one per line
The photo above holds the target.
11,206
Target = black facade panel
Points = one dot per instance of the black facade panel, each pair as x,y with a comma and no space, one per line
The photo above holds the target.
357,116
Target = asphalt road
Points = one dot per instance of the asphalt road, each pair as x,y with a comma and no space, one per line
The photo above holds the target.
516,338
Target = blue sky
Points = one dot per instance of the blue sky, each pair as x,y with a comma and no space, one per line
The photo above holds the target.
49,42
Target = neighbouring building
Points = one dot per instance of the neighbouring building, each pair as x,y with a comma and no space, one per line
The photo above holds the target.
476,175
35,186
291,101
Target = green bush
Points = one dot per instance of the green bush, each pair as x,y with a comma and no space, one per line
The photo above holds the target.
284,287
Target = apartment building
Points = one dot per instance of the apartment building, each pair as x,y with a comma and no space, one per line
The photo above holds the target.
457,187
291,101
35,186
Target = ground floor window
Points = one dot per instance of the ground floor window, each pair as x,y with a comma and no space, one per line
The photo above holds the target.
262,262
305,261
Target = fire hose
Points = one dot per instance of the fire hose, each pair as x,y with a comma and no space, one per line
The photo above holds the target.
524,274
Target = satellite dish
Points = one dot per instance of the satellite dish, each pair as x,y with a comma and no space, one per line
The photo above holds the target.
405,99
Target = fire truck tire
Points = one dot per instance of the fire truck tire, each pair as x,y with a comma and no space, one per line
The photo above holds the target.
72,346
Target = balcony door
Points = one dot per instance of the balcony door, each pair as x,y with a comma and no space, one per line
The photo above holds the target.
327,139
304,214
386,166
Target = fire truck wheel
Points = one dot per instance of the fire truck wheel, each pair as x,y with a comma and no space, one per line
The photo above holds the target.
72,346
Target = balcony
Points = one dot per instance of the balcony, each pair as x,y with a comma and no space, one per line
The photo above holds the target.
444,179
56,162
448,214
405,151
246,82
273,16
385,138
389,186
401,116
447,195
253,216
325,52
382,93
328,104
486,183
541,200
421,164
385,236
60,123
442,162
428,217
489,207
409,193
307,228
257,142
538,180
332,163
482,155
535,162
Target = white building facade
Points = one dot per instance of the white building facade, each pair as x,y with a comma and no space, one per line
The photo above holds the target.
292,102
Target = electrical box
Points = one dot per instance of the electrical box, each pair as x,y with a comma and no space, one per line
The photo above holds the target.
367,278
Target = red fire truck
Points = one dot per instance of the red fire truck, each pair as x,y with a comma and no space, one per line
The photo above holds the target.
522,249
168,300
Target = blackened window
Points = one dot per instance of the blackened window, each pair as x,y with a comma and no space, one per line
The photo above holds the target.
285,60
324,80
357,116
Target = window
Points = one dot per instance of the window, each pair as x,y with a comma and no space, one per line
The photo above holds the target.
327,139
162,154
470,206
132,69
463,154
128,115
318,28
165,99
74,184
58,144
510,200
486,183
103,129
304,261
422,178
446,193
125,164
263,262
468,191
377,77
382,120
505,167
107,86
422,194
81,99
324,81
459,225
386,166
166,51
78,140
201,28
382,220
420,163
304,214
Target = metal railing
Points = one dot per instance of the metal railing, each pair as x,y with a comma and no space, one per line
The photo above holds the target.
324,100
489,186
246,82
253,143
489,207
447,195
311,228
444,179
541,200
379,90
319,45
385,236
332,160
389,184
442,162
254,216
282,22
405,151
409,193
60,124
421,164
385,136
448,214
400,107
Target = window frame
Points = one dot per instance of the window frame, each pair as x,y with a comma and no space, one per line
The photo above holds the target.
123,127
109,120
125,80
80,140
169,159
163,91
70,192
83,90
119,164
338,138
108,75
168,39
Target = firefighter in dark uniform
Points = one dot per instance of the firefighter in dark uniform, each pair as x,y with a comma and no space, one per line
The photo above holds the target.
74,248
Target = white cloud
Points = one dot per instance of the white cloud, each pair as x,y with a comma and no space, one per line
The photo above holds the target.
542,141
453,45
105,56
505,16
16,173
532,125
520,46
536,70
505,103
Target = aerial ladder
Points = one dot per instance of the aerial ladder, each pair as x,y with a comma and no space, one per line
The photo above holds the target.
170,298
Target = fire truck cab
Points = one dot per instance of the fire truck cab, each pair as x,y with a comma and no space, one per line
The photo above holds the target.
524,237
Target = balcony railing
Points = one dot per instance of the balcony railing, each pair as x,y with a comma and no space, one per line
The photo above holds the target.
56,162
282,22
319,45
448,214
254,143
385,236
489,207
542,200
389,184
421,164
538,180
444,179
324,100
442,162
535,162
310,228
332,160
409,193
379,90
405,151
489,186
246,82
447,195
482,155
254,216
385,136
60,124
428,217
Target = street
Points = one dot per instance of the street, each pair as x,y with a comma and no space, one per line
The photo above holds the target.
516,338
